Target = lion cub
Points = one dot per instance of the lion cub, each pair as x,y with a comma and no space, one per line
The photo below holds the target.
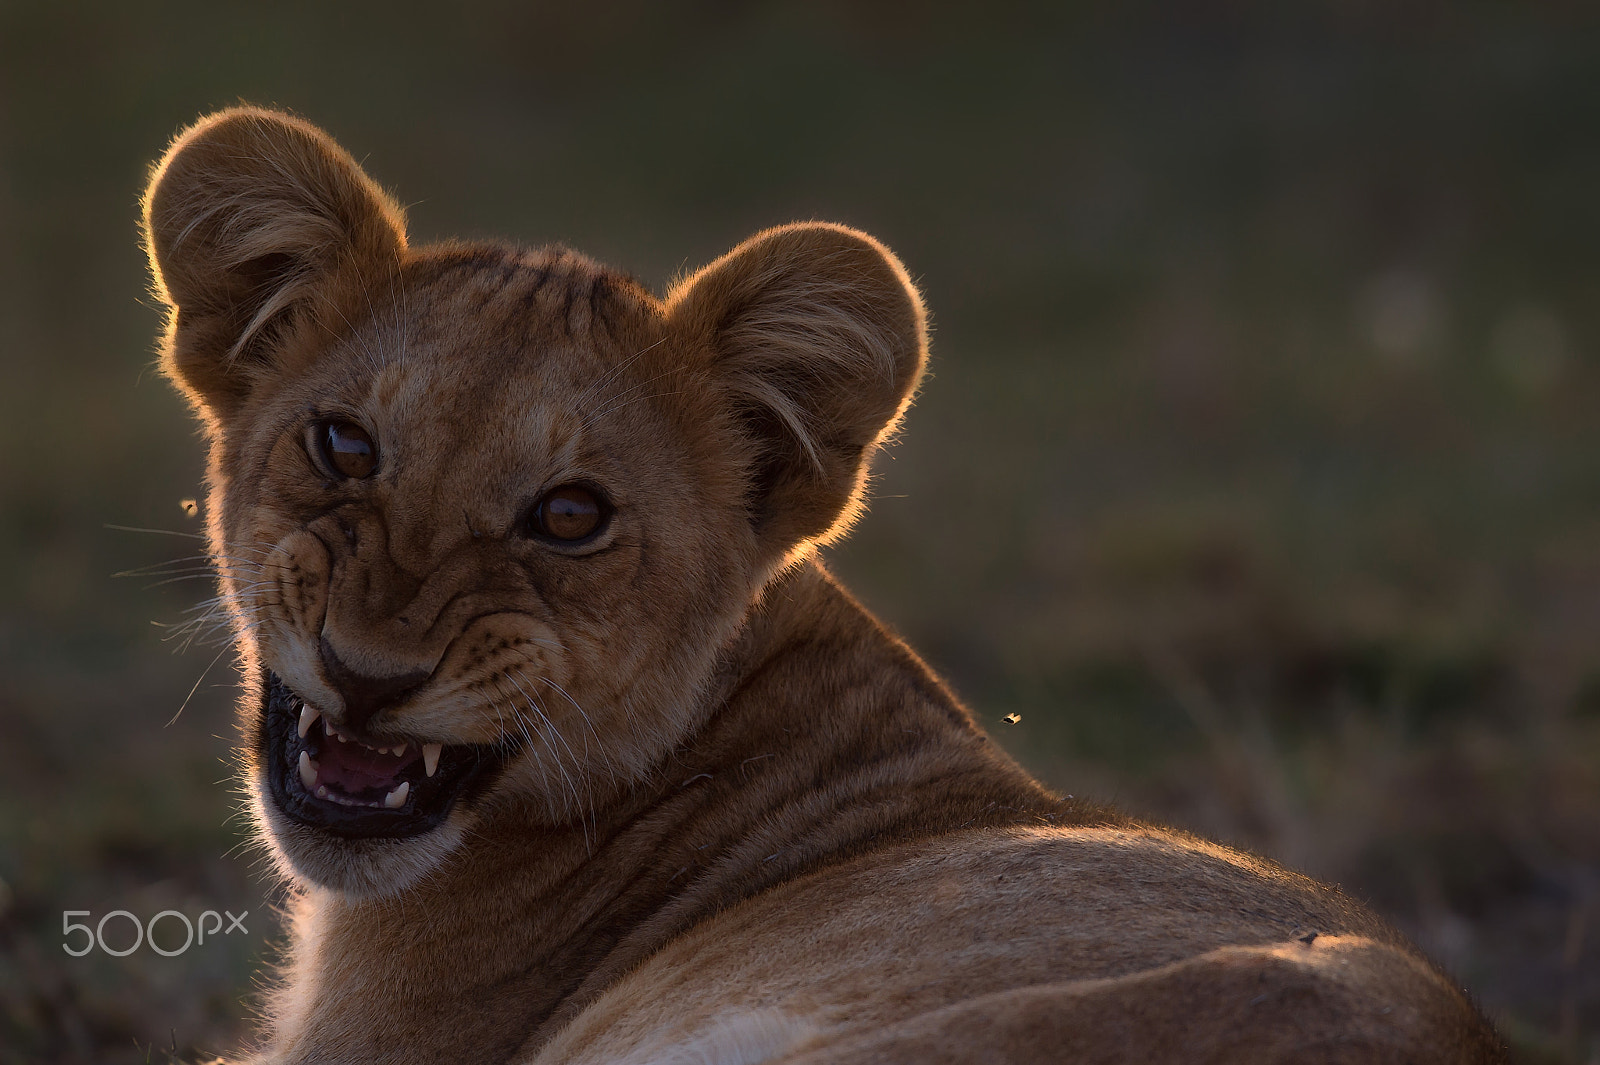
573,751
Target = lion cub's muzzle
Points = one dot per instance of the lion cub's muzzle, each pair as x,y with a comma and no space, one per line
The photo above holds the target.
325,779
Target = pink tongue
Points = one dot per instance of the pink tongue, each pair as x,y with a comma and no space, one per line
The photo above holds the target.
353,768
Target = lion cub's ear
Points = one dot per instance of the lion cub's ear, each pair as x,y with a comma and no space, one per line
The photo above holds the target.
818,337
251,218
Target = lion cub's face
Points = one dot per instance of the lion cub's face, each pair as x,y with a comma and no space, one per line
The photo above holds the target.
472,560
486,518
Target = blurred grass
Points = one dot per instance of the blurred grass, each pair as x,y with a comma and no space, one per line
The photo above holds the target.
1259,471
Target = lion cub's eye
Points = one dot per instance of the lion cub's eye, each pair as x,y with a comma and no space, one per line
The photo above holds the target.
345,448
569,513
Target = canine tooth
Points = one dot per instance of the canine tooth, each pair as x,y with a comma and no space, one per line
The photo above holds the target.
308,771
308,717
327,727
397,798
430,756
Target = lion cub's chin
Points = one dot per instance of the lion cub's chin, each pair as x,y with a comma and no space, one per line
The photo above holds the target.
359,868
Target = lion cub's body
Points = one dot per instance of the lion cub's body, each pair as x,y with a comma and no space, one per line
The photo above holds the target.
657,790
840,868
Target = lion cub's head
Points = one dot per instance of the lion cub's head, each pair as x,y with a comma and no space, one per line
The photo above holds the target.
485,517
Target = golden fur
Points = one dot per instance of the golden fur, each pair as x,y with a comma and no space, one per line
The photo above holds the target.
700,806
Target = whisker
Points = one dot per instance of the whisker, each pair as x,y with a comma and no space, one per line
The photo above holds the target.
580,807
158,532
198,561
615,370
628,403
532,702
186,698
616,396
605,755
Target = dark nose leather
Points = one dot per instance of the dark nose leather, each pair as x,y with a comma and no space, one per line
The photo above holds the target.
363,695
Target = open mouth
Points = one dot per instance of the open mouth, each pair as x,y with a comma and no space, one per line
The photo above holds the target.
356,786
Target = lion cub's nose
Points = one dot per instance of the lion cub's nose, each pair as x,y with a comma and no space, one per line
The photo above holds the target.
363,695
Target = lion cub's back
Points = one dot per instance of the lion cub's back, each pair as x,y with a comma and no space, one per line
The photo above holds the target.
917,928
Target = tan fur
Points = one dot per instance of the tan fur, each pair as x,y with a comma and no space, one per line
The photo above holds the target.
733,819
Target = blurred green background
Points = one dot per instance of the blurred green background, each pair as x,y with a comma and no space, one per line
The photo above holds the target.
1259,469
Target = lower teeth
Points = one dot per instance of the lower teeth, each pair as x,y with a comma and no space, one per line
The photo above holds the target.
393,800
